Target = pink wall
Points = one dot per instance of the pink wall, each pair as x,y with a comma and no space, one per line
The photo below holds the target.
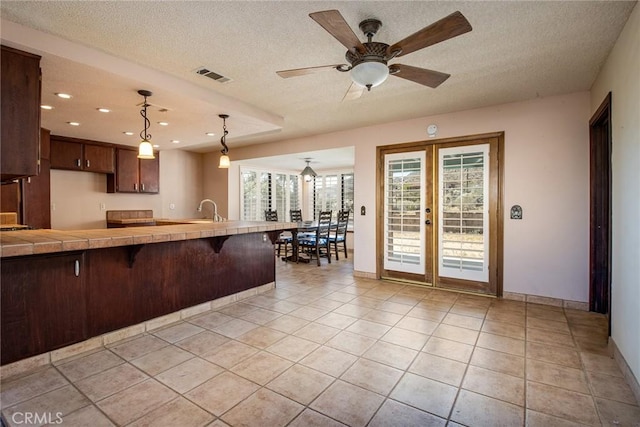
619,75
546,172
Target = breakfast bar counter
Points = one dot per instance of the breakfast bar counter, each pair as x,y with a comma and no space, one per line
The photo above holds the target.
29,242
61,287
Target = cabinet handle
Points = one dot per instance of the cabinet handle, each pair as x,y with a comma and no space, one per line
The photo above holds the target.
88,163
76,268
135,186
142,186
78,162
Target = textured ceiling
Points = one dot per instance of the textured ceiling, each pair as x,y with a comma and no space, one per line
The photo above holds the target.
516,51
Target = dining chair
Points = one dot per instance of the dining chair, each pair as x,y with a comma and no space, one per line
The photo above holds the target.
270,215
339,233
296,215
285,239
318,243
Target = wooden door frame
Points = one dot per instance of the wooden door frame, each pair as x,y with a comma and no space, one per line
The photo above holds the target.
496,195
600,144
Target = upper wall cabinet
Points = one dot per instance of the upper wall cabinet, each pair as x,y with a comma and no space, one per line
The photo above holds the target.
134,175
73,154
20,114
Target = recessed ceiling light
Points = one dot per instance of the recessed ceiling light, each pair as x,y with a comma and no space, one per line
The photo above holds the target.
63,95
156,146
103,110
73,123
163,123
46,107
175,141
210,134
128,133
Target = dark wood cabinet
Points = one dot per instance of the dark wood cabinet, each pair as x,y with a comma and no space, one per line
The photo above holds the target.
125,180
20,103
134,175
71,154
36,190
169,276
99,159
53,300
30,197
43,304
150,175
10,198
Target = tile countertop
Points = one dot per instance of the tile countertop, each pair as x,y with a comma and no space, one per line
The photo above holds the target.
29,242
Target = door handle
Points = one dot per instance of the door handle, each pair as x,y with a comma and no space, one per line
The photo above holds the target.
142,187
135,186
88,163
78,162
428,222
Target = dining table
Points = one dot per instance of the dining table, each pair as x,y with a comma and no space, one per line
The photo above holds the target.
303,227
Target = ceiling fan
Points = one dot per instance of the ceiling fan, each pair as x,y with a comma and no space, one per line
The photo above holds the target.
368,60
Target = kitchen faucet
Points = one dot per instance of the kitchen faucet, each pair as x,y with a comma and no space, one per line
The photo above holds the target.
216,217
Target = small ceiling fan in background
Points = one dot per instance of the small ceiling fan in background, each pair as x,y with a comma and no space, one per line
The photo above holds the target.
368,60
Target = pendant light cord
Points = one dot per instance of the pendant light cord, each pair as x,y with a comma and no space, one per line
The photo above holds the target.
144,133
223,139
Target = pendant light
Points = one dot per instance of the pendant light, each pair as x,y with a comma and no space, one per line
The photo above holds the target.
145,149
224,159
307,173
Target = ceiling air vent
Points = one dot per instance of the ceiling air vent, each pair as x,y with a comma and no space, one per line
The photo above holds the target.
212,75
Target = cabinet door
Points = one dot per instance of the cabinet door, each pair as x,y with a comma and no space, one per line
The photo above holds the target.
10,198
126,171
43,304
20,104
66,155
99,159
36,191
13,309
150,175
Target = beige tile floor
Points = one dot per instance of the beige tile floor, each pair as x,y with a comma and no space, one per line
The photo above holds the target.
327,349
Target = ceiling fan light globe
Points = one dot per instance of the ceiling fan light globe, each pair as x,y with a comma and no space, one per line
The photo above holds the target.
145,150
369,74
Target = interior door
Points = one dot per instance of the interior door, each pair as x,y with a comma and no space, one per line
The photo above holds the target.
600,210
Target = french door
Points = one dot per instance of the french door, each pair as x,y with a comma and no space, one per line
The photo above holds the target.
440,203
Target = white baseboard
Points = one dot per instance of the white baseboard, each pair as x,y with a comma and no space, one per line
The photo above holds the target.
556,302
364,274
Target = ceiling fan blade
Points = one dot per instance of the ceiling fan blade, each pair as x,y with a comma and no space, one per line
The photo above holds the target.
285,74
444,29
355,91
334,23
419,75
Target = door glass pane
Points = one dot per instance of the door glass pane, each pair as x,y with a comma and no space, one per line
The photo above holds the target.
463,205
404,186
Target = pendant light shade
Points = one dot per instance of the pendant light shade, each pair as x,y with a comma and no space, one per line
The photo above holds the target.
307,173
225,162
145,149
